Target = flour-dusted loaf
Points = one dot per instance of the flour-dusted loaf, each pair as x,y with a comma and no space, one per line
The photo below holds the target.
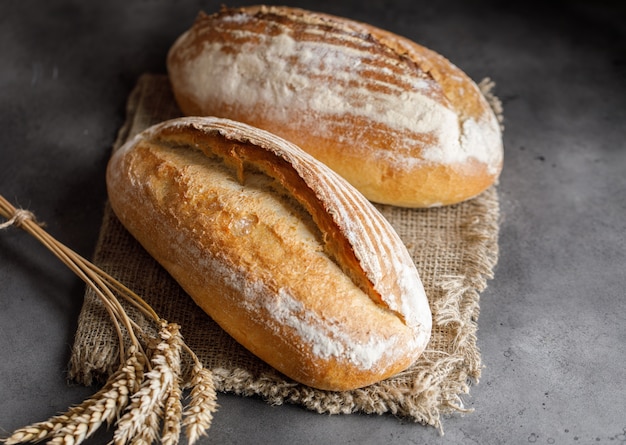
397,120
278,249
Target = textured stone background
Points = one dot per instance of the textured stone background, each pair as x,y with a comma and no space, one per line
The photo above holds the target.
552,326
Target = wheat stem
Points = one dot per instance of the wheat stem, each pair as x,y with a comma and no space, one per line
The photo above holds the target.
127,294
76,264
145,391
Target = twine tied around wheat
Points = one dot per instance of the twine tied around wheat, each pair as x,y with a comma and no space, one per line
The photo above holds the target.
144,397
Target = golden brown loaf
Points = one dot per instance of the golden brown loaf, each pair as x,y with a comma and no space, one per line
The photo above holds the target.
278,249
397,120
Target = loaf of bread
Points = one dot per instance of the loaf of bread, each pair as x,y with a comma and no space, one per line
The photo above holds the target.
400,122
284,254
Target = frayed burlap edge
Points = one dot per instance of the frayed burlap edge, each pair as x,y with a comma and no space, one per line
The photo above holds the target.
433,387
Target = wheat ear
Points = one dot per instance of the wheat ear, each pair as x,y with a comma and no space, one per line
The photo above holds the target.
173,416
81,421
142,416
198,414
143,397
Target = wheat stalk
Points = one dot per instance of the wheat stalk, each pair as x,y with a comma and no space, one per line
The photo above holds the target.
142,393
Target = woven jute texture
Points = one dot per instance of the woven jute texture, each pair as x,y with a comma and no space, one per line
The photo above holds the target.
455,249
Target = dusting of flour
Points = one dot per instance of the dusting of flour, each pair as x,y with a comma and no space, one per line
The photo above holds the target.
286,73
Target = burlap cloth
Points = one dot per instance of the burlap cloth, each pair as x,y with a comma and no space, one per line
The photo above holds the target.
455,249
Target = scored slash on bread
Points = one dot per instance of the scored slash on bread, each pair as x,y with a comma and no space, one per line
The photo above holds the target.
283,253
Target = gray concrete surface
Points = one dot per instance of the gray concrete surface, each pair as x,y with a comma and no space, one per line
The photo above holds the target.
553,322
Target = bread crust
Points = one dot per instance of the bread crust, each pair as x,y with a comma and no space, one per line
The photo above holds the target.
400,122
279,250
